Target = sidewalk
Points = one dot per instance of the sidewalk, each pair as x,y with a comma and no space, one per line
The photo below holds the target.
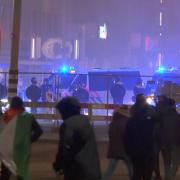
43,152
51,130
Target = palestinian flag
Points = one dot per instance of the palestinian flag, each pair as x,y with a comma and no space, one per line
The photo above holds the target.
15,143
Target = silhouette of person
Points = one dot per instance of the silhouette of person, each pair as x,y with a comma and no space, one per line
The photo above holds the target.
169,137
138,89
140,138
33,92
77,155
118,91
21,129
81,93
116,148
45,87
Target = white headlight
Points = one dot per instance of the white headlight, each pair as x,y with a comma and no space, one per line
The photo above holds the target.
149,100
4,100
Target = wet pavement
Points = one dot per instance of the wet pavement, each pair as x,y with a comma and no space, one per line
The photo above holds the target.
44,151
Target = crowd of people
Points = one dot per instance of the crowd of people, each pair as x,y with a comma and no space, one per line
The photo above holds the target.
46,92
77,150
137,138
118,90
33,92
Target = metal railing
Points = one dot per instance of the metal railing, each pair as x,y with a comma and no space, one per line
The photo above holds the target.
89,110
98,86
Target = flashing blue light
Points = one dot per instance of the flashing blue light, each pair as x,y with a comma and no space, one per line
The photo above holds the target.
64,69
161,70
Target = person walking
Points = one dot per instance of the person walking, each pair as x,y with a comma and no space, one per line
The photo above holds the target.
116,148
18,130
161,108
77,155
169,138
140,138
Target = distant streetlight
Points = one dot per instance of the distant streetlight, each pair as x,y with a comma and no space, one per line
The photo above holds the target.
15,40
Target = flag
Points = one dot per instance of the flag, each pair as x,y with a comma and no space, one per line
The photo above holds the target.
15,144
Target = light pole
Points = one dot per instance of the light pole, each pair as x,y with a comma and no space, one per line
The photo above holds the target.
15,40
83,42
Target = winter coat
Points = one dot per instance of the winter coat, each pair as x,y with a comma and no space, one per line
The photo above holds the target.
118,90
140,132
33,93
77,154
169,129
116,148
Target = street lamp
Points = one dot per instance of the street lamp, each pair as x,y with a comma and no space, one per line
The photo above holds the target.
15,40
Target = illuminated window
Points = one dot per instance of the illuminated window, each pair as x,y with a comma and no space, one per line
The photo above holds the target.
103,31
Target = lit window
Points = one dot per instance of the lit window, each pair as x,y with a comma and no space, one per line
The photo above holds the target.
103,31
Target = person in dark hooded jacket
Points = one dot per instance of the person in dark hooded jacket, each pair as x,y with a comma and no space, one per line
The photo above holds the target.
77,155
140,138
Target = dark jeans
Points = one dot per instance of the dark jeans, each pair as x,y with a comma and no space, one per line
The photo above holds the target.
5,173
156,167
143,167
74,171
167,158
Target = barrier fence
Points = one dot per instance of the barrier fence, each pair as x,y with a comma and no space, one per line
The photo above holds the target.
90,110
98,85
